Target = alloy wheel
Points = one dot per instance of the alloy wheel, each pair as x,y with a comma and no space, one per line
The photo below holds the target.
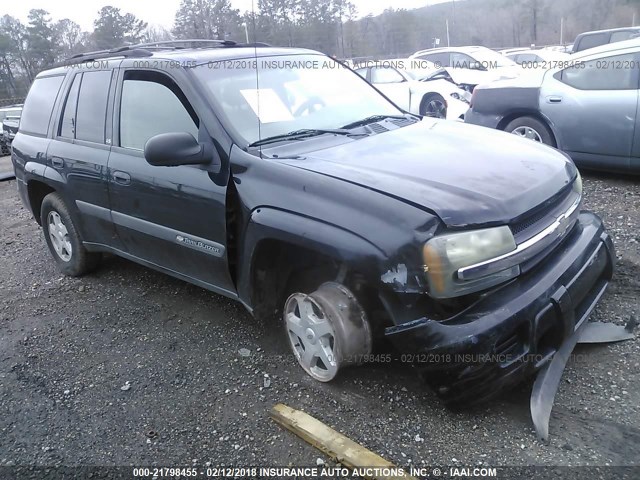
59,236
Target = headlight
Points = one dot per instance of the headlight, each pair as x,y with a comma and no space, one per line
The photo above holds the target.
577,184
445,254
459,97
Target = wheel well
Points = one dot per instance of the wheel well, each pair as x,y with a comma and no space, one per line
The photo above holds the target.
37,191
512,116
279,266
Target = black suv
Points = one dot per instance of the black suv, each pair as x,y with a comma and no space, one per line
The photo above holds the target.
279,178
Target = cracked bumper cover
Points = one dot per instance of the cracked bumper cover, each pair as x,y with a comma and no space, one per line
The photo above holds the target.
511,333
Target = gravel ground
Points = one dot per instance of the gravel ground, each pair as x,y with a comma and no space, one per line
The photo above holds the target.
130,367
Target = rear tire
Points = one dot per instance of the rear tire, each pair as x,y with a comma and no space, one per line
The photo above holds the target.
64,240
532,129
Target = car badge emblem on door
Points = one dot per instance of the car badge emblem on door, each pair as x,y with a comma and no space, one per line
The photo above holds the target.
212,249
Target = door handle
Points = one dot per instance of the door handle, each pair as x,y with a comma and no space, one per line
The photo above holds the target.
554,99
122,178
57,162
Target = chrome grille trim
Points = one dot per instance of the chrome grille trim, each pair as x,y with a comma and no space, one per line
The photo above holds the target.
526,250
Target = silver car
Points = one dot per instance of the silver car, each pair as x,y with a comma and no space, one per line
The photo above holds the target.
586,106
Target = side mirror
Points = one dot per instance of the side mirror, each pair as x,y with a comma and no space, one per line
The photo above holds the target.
477,66
177,148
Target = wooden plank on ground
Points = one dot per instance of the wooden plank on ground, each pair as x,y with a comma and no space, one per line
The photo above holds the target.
334,444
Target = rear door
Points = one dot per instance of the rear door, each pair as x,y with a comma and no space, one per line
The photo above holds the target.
171,217
80,150
593,107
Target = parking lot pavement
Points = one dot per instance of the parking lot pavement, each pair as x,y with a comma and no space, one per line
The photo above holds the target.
6,168
69,346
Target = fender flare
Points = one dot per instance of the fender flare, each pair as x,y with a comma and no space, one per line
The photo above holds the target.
267,223
38,172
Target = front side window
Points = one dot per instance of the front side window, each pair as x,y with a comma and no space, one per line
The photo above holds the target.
152,104
385,75
39,104
267,96
619,72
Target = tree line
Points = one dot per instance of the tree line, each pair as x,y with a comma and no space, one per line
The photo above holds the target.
331,26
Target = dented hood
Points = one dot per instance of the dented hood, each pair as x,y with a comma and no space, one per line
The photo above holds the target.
465,174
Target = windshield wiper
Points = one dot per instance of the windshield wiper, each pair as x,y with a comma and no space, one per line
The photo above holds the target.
297,134
373,119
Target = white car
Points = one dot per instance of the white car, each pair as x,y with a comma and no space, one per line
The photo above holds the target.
437,97
485,64
538,58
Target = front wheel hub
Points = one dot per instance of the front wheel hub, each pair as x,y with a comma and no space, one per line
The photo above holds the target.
327,330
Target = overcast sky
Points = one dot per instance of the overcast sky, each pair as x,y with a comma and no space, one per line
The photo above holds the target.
159,12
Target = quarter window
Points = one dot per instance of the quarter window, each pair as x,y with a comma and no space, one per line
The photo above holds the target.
153,104
610,73
39,104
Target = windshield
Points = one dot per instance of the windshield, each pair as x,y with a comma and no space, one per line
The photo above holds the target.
495,59
289,93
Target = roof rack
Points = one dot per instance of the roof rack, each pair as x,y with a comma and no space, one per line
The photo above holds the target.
99,54
190,43
146,49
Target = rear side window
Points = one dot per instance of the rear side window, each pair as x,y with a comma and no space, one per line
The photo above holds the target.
440,59
621,36
462,60
528,58
92,106
590,41
68,124
39,104
152,104
610,73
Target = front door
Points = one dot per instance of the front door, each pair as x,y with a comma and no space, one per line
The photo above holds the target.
172,217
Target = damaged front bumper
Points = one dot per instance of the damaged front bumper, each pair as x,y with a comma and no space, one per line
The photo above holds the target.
513,332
